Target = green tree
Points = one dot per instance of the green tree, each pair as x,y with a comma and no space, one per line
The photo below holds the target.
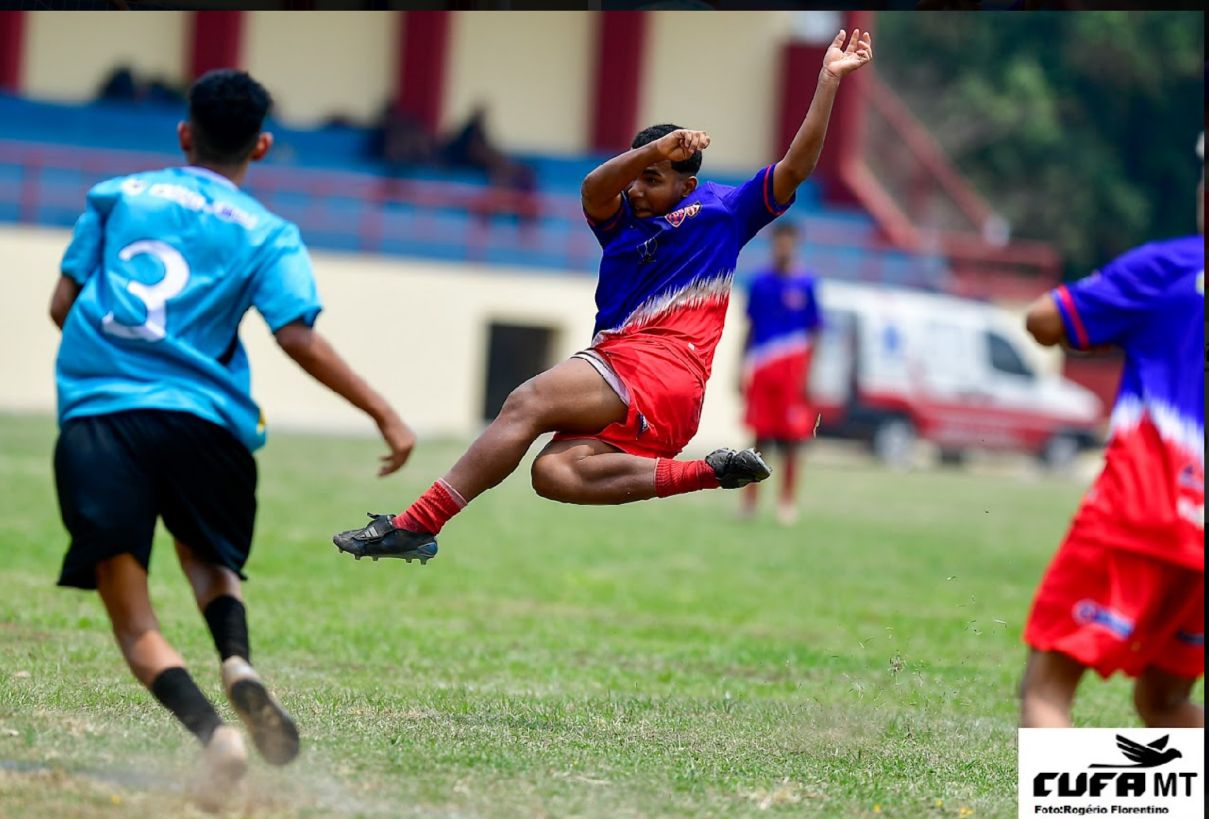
1078,127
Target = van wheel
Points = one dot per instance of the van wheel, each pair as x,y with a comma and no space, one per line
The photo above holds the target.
894,442
1059,452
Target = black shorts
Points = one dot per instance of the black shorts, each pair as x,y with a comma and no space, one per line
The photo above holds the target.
117,473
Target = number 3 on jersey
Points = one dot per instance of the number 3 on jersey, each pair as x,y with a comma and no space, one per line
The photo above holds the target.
154,296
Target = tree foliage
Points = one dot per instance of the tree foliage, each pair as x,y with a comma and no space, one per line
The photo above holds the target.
1078,127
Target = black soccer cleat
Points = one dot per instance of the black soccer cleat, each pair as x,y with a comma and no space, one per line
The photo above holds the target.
735,469
381,538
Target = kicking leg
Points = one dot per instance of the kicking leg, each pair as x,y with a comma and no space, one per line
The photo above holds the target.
570,397
590,472
219,597
1164,700
122,585
1047,691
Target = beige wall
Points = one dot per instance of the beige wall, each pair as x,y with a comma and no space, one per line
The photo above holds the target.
714,71
321,63
431,367
533,71
717,73
67,55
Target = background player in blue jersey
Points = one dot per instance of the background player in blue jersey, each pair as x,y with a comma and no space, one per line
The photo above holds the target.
156,417
784,319
624,408
1126,590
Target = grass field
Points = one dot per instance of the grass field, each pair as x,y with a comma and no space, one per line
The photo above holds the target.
661,659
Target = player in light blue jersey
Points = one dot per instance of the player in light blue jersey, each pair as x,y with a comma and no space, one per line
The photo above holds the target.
155,410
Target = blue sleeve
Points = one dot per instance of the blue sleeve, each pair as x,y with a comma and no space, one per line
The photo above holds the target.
753,203
606,230
285,290
83,255
1107,306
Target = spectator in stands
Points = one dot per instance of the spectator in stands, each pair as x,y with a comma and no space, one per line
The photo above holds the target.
120,86
162,92
400,140
471,147
123,85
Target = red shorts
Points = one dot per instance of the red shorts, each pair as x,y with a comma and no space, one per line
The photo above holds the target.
665,398
1116,610
777,408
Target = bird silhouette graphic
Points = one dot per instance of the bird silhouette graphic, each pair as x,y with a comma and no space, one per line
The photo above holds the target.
1151,755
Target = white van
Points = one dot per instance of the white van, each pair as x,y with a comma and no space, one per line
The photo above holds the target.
896,366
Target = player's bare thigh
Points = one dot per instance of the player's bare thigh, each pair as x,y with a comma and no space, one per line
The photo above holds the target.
569,397
589,471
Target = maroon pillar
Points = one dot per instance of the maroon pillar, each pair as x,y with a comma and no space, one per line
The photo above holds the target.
800,66
216,41
620,41
424,42
12,42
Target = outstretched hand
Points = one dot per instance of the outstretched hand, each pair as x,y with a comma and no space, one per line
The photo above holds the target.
400,439
682,144
841,60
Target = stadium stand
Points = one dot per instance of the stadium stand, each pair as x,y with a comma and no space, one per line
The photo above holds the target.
343,199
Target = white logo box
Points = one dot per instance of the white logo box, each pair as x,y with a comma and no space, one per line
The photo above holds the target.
1112,772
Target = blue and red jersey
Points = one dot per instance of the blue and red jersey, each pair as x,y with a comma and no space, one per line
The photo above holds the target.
667,278
784,315
1151,302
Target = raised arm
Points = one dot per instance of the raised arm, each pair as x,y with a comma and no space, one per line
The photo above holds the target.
601,189
803,154
320,360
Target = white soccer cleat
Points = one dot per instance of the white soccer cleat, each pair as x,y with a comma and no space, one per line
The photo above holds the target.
223,765
273,730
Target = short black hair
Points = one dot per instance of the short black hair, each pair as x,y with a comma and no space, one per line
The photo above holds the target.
227,108
785,227
688,166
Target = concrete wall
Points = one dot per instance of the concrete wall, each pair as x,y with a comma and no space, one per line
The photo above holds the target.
317,64
68,54
431,366
717,73
713,71
532,69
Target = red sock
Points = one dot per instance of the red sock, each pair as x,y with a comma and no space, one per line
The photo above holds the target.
678,477
432,510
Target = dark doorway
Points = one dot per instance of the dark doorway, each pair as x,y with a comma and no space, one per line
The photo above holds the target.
515,353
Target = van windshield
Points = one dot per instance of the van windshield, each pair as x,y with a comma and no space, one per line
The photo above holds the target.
1004,357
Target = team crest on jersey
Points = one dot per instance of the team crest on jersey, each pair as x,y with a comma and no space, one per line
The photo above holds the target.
676,218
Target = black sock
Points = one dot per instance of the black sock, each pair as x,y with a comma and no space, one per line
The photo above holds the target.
228,621
175,689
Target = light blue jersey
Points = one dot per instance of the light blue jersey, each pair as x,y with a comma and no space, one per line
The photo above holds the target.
169,261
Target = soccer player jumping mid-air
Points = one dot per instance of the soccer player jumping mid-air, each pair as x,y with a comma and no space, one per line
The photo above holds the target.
155,411
1126,590
625,407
